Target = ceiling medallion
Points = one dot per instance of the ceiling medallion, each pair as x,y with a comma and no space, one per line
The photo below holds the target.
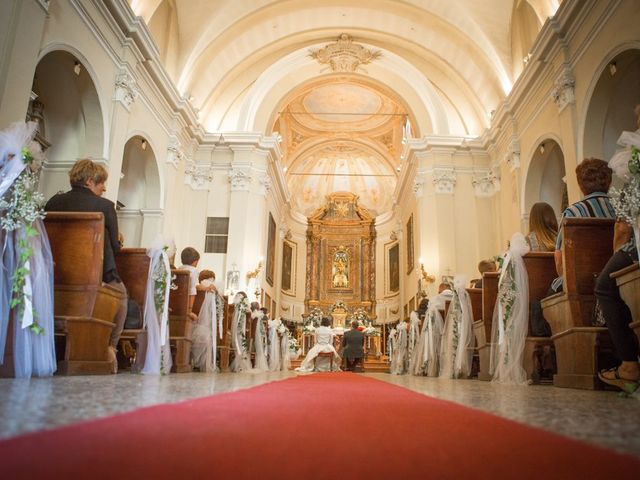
344,55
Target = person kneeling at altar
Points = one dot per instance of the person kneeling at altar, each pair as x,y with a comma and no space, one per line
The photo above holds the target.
353,347
324,344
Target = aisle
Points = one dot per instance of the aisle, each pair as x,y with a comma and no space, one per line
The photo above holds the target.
333,425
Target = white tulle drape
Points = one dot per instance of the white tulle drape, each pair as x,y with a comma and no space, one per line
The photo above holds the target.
207,331
511,317
414,337
33,353
260,341
285,354
274,356
428,349
156,316
241,361
400,356
456,350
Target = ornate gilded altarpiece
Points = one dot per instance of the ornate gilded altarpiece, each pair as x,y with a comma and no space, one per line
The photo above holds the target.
341,246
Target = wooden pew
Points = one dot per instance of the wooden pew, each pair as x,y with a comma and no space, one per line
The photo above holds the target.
581,349
180,325
628,281
541,271
84,308
133,267
482,327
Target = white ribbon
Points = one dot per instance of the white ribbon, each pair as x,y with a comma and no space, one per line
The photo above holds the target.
501,330
27,312
164,323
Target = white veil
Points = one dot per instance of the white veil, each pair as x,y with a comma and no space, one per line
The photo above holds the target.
156,317
511,317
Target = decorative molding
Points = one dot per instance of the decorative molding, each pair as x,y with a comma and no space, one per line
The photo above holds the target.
444,180
174,153
513,155
418,186
126,90
265,185
152,212
240,180
344,55
563,93
198,177
486,184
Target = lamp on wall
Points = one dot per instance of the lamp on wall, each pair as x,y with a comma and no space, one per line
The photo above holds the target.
423,279
255,274
541,149
613,68
77,68
143,144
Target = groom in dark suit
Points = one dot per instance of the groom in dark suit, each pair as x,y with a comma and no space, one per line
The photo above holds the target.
353,346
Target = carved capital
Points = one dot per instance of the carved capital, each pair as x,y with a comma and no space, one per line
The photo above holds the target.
240,180
418,186
126,89
563,92
513,155
198,176
444,180
174,153
486,184
265,185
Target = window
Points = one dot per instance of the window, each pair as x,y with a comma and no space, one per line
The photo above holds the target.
217,234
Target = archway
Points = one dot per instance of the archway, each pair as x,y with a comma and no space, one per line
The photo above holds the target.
139,213
66,104
545,178
611,106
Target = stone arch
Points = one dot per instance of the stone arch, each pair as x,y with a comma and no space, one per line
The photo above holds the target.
545,178
71,116
139,192
610,101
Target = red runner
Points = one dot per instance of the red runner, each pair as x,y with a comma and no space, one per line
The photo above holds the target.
328,426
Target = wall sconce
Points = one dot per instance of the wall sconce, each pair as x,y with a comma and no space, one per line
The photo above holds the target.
77,68
423,279
613,68
256,272
541,149
143,144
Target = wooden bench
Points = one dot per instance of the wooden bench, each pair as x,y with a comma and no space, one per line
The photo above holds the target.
84,308
133,267
180,325
581,349
482,327
541,271
628,281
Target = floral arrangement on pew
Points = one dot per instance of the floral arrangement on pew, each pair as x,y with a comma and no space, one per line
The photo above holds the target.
626,165
294,348
21,205
371,331
312,321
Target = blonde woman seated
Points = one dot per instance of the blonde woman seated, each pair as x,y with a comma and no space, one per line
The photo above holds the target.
324,344
543,228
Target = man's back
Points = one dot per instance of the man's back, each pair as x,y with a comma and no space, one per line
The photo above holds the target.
353,343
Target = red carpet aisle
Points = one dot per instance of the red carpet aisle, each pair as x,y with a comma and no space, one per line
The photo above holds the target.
328,426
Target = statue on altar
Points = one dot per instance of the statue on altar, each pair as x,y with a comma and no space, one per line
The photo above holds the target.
340,271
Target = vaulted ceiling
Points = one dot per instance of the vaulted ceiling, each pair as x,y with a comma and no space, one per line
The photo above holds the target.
248,65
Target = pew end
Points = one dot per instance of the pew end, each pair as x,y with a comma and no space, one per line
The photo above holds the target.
628,281
482,327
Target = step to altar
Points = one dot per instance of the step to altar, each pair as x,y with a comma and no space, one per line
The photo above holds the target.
371,365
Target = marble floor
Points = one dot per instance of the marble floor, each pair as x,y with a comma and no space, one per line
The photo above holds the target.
601,418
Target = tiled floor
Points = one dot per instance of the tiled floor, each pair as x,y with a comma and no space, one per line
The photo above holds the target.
602,418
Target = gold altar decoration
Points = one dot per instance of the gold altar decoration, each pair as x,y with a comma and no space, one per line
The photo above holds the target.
341,261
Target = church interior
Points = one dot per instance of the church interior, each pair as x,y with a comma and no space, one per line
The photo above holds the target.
348,161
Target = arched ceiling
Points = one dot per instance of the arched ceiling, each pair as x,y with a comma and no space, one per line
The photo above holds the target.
254,65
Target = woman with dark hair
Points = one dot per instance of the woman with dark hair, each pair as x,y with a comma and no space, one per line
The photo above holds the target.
324,344
543,228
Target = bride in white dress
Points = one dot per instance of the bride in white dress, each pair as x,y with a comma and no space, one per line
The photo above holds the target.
324,344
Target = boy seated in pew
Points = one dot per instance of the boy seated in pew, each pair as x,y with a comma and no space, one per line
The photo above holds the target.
190,258
87,181
483,266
